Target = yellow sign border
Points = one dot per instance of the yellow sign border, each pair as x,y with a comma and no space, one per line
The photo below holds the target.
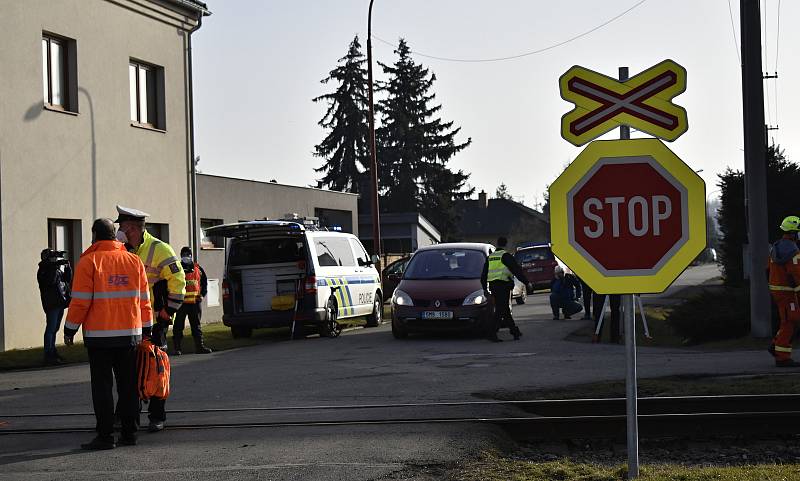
696,203
661,101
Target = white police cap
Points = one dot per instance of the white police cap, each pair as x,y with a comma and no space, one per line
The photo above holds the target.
126,213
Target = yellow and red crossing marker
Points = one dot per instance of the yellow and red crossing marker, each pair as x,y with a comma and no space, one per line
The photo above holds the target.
643,102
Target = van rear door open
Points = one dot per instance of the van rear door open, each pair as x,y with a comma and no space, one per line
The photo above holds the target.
265,261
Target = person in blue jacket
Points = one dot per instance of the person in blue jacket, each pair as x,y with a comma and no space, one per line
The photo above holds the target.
564,290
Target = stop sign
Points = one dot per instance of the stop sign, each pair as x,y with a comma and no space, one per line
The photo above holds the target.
628,216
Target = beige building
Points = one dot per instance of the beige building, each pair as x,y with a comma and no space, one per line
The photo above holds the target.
95,112
226,200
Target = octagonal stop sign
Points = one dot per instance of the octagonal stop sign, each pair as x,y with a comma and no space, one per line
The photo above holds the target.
628,216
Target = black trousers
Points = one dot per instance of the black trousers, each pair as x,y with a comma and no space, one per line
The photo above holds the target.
501,293
156,407
194,312
105,364
587,299
614,302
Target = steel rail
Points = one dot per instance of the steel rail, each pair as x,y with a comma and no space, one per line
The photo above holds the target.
781,402
542,426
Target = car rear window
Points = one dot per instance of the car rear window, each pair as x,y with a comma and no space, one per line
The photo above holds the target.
532,255
446,264
266,251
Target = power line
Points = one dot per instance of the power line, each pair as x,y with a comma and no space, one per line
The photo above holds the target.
766,65
525,54
777,46
733,31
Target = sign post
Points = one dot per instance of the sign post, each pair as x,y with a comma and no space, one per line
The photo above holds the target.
628,216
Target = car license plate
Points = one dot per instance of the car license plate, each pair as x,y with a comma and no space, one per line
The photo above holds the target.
437,315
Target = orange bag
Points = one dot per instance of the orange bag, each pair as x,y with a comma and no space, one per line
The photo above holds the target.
152,371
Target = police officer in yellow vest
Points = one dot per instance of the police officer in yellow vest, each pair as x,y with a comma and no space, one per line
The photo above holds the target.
499,272
196,290
167,286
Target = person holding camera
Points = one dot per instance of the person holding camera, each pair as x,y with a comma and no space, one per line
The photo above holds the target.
54,276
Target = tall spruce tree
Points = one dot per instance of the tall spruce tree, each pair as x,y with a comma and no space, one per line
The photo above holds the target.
345,148
414,147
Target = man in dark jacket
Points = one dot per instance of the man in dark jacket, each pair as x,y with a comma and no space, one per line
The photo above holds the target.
196,290
564,289
498,274
54,276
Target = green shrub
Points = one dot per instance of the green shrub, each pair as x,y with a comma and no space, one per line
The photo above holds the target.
712,315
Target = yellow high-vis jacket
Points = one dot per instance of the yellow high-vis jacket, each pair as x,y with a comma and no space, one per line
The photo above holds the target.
161,263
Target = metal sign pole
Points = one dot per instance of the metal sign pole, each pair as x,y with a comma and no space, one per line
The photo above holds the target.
629,322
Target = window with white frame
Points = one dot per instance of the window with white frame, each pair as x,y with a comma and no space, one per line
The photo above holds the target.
59,79
146,94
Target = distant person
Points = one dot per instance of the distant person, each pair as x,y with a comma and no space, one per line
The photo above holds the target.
54,276
196,290
784,277
564,289
588,294
615,302
111,302
499,272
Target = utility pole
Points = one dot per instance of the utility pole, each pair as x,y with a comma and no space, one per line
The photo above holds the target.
755,167
376,216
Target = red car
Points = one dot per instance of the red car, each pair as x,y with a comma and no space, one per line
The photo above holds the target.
538,262
441,290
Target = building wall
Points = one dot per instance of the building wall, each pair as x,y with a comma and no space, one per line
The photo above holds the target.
57,165
232,200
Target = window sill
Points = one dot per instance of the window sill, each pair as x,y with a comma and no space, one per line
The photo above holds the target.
59,109
147,127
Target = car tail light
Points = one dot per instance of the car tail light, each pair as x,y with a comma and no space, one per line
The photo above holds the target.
311,285
226,293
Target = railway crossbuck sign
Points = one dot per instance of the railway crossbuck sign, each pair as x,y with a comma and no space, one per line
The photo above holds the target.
631,216
643,102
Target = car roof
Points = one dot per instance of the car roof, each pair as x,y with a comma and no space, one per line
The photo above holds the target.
475,246
535,246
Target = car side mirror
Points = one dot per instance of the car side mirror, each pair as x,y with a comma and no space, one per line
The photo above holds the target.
375,259
393,277
364,263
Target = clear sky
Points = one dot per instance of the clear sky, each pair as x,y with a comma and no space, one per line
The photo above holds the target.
258,64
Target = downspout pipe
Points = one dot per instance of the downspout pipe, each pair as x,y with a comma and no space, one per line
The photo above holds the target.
192,163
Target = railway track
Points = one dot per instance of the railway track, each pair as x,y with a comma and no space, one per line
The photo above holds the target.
696,416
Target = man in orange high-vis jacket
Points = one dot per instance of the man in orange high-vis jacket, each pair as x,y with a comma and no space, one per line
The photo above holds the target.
784,283
192,307
111,301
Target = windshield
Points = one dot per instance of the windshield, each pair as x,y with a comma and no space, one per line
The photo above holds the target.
446,264
266,251
537,254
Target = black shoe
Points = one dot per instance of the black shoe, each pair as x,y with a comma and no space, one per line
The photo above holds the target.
155,426
555,318
177,353
127,440
771,350
516,333
53,361
201,349
99,443
787,363
567,317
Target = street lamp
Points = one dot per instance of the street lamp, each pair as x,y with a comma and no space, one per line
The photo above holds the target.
376,217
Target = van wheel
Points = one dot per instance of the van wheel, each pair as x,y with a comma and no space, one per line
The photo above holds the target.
241,331
330,327
376,318
398,332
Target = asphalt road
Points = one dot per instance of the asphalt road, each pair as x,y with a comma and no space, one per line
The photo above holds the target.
365,366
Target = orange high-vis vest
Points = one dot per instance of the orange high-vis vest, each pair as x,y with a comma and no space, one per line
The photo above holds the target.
192,285
784,274
110,296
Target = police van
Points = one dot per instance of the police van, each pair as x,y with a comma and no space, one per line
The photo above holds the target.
291,273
